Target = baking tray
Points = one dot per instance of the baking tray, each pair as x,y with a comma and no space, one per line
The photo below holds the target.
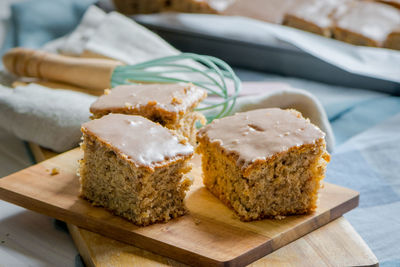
282,60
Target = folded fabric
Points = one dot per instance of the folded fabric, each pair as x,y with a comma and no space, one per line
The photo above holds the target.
34,110
45,116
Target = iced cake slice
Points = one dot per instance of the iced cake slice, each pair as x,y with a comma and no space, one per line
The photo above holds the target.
171,105
135,168
366,23
264,163
314,16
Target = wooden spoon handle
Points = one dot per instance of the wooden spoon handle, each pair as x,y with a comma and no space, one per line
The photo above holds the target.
83,72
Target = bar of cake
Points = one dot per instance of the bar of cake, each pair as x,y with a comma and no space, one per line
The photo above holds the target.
314,16
366,23
266,10
134,168
130,7
171,105
264,163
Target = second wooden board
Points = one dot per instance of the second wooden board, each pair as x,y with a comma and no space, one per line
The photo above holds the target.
210,235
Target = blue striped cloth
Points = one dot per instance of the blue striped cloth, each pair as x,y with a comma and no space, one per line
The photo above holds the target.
370,163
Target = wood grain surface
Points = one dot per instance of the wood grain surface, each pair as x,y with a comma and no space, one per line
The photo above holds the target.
211,234
334,244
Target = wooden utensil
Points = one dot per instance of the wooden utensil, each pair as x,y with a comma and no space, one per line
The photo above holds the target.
90,73
100,74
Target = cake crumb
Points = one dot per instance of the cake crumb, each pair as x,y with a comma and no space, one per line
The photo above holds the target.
152,103
196,221
107,91
235,216
128,105
176,100
54,171
188,88
183,141
279,217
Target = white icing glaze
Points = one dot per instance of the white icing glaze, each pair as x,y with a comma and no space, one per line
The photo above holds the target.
138,139
172,98
260,134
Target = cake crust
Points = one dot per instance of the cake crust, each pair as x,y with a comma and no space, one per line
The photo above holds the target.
393,40
314,16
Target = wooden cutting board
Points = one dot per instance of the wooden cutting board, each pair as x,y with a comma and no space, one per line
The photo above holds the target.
210,235
334,244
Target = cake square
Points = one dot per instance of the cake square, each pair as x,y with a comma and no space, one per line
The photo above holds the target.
134,168
314,16
171,105
366,23
264,163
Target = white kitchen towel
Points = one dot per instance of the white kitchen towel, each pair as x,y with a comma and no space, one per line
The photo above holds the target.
52,118
112,35
45,116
